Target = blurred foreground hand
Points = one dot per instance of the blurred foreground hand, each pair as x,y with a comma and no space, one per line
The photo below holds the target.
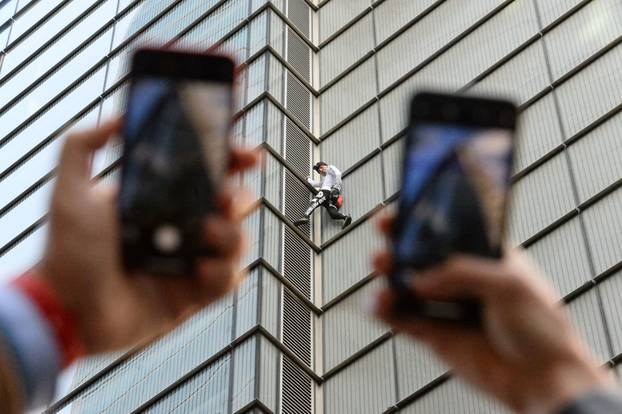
527,354
82,261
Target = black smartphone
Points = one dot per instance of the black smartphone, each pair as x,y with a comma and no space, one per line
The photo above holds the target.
455,183
176,155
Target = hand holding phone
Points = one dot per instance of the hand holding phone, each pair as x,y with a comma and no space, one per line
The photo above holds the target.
455,181
175,159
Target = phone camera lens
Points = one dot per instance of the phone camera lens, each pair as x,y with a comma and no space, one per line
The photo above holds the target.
167,238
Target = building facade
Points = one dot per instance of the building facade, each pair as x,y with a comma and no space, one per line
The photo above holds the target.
327,80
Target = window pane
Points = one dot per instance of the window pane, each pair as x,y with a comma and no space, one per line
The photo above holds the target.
52,86
33,16
52,119
57,51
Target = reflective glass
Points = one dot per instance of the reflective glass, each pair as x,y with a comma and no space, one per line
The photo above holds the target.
51,87
25,213
24,3
57,51
6,12
44,33
23,255
40,164
52,119
32,16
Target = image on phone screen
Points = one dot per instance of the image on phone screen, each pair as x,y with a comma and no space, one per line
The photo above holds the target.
175,158
453,195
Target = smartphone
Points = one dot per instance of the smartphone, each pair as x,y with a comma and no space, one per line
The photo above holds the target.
455,182
175,157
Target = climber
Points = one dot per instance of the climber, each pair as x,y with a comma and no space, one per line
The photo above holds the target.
328,195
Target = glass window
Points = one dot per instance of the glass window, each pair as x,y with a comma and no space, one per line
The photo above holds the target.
4,36
51,87
57,51
22,4
258,33
52,119
7,10
33,16
44,33
216,25
40,164
23,255
25,213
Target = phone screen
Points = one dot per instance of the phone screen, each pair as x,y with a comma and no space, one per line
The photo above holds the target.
453,196
176,156
175,130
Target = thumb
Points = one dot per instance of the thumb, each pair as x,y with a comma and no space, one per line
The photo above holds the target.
75,159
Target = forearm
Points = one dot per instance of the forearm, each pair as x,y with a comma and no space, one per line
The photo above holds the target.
562,389
30,355
599,402
11,393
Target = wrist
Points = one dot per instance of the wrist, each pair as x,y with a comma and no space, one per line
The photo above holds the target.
562,384
59,318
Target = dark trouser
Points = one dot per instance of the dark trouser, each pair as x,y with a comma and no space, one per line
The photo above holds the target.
327,199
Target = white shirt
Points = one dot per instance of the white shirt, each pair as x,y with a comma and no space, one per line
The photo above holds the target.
332,179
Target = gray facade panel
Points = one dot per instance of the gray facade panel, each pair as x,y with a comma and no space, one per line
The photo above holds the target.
207,392
349,94
603,148
583,34
432,33
366,387
247,299
551,10
335,14
519,79
391,15
540,198
604,231
563,256
163,362
585,315
244,373
392,164
353,141
612,303
455,396
346,49
346,262
416,365
348,327
270,302
592,92
269,374
538,132
272,237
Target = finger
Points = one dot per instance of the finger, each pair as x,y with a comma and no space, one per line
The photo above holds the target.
179,294
217,278
242,159
75,160
463,276
385,224
223,236
235,203
383,262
